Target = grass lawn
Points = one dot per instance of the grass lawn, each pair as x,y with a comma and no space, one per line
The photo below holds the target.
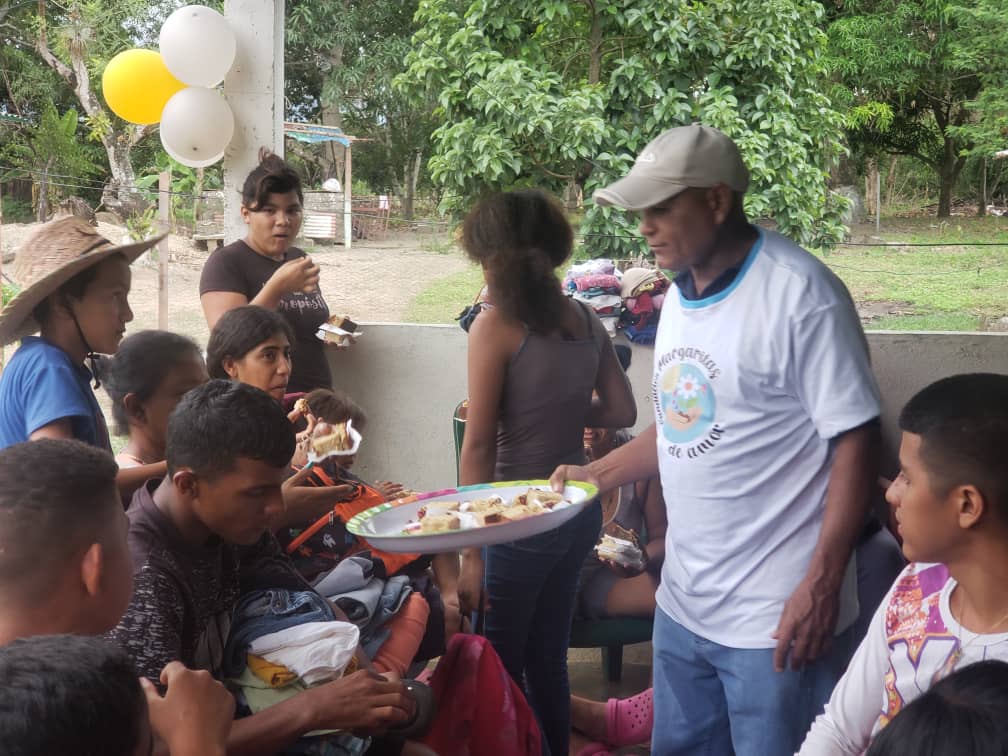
953,288
442,301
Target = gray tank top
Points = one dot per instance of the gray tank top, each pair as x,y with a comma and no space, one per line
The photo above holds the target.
545,403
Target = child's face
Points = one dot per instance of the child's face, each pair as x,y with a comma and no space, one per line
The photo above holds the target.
267,366
928,523
103,311
243,503
179,380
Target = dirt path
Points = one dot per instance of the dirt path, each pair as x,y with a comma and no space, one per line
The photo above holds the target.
373,281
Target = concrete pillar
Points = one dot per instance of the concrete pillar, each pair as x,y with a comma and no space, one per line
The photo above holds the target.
254,88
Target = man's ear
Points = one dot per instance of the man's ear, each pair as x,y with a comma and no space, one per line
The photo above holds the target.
971,505
721,200
92,565
186,484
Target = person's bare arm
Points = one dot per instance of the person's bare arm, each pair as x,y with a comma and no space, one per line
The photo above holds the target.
308,503
216,303
488,357
62,428
487,367
129,479
361,702
635,460
656,519
194,715
614,405
808,621
299,274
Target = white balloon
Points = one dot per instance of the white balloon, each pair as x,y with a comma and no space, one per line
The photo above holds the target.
197,45
188,161
196,126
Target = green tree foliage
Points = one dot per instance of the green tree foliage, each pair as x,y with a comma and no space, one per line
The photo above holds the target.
341,58
564,93
48,152
74,41
987,54
914,77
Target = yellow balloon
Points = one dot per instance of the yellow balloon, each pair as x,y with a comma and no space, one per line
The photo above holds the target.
137,84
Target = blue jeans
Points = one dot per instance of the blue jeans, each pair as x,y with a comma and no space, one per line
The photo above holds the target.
531,586
262,612
711,700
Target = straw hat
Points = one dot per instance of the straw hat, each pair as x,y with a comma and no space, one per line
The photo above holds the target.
48,259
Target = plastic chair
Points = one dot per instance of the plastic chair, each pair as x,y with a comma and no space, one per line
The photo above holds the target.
611,634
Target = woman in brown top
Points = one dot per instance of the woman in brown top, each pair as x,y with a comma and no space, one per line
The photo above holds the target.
264,269
535,357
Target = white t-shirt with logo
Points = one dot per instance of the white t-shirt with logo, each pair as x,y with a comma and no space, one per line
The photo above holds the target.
750,385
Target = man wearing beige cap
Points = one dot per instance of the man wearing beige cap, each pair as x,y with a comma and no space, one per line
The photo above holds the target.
765,422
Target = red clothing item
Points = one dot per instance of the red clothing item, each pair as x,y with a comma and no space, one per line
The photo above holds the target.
480,708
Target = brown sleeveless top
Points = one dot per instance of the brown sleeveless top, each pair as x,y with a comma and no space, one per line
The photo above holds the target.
545,402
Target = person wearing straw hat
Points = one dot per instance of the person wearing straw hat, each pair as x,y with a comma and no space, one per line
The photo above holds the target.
73,286
765,426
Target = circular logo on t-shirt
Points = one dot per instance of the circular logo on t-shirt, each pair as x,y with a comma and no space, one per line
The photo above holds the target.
687,402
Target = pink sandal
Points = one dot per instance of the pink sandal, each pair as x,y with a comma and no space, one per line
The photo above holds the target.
595,749
629,721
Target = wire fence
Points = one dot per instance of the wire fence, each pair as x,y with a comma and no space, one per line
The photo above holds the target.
374,216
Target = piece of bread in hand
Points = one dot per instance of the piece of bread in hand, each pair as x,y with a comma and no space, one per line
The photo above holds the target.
344,323
336,440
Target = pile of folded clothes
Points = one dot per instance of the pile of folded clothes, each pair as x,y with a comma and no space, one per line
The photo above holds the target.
597,284
643,292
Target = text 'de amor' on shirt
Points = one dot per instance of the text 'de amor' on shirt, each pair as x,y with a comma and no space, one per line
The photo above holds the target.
750,385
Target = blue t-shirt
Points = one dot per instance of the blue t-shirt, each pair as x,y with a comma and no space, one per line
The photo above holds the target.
41,385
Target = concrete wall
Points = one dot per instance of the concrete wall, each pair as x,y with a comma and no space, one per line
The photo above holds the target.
409,379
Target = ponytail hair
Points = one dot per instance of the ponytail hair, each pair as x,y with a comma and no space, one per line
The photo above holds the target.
520,238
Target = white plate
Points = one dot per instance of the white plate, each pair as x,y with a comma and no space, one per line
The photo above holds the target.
383,525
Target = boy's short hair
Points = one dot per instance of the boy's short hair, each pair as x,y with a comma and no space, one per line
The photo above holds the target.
335,407
963,424
221,421
69,694
55,500
965,714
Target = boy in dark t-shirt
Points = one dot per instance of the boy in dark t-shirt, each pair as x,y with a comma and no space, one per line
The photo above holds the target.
201,536
64,569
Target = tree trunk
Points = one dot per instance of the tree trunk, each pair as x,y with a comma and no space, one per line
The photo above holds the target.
948,174
413,177
117,141
333,155
871,183
891,183
982,204
197,193
595,47
952,161
42,206
119,195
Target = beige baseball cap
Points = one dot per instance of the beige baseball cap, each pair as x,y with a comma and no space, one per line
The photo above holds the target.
687,156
